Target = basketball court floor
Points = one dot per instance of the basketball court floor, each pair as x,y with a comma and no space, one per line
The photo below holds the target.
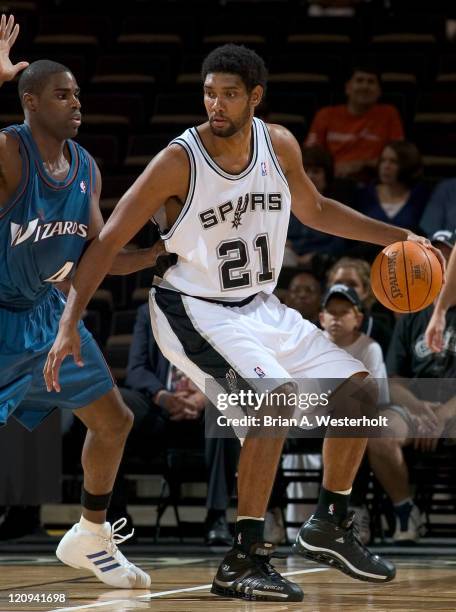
183,584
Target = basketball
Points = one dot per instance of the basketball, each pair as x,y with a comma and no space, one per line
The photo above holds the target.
406,277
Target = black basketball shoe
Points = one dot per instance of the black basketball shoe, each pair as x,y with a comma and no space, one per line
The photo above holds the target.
340,547
251,576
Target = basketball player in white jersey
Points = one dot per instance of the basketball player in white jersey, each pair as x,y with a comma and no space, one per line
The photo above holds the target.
222,192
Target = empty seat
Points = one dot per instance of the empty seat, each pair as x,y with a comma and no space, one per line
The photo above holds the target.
131,70
102,147
73,30
123,322
10,109
142,148
119,110
164,32
322,33
178,109
116,354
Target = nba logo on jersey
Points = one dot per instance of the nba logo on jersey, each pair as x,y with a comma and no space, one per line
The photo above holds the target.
83,186
259,371
264,170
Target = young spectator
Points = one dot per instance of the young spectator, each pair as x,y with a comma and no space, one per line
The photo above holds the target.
355,133
440,210
415,417
377,322
303,240
341,317
396,196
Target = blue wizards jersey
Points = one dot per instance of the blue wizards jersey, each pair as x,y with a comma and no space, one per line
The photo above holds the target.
44,226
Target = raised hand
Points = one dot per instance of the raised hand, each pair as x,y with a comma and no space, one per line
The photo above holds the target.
8,35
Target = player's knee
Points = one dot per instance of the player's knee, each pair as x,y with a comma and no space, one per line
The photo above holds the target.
366,389
282,399
122,421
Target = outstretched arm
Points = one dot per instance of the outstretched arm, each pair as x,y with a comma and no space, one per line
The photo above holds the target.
325,214
126,261
166,176
447,298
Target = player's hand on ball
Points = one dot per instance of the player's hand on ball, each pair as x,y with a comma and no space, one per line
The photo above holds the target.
8,35
66,343
427,244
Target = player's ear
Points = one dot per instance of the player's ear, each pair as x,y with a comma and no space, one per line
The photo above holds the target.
29,102
359,319
256,95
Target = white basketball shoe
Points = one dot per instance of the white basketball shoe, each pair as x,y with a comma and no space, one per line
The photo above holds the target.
95,549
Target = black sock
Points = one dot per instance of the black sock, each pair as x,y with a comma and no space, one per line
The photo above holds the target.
248,532
403,511
332,506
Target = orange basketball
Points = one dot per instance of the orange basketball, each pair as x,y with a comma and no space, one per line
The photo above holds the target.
406,277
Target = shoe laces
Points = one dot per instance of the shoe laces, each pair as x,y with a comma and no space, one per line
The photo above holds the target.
353,532
264,563
115,538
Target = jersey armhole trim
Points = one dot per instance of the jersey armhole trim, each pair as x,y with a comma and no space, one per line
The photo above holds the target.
25,173
191,189
272,153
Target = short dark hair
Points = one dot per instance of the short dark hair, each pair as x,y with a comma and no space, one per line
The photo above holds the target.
364,65
239,60
409,160
34,78
316,156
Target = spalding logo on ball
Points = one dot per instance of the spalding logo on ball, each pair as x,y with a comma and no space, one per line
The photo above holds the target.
406,277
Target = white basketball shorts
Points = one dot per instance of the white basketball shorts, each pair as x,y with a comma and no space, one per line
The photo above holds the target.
261,340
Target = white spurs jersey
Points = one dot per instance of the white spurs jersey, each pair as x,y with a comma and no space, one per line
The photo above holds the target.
230,235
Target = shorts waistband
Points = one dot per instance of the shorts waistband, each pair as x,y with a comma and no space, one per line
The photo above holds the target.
243,302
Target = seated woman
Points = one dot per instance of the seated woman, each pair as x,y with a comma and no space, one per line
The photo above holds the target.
396,196
304,242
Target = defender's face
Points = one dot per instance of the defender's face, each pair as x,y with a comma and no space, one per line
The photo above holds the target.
58,108
228,105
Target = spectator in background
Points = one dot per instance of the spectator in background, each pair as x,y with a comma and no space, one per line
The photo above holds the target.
304,295
341,317
168,411
304,241
378,322
396,196
440,210
355,133
421,412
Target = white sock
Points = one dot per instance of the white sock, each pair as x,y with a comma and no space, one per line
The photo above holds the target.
347,492
250,518
93,527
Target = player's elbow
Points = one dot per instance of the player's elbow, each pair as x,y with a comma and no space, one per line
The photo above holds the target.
311,212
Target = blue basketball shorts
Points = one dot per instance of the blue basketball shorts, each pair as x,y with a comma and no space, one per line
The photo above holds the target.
25,339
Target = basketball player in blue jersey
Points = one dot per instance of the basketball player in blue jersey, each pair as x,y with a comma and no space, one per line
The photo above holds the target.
49,209
222,194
